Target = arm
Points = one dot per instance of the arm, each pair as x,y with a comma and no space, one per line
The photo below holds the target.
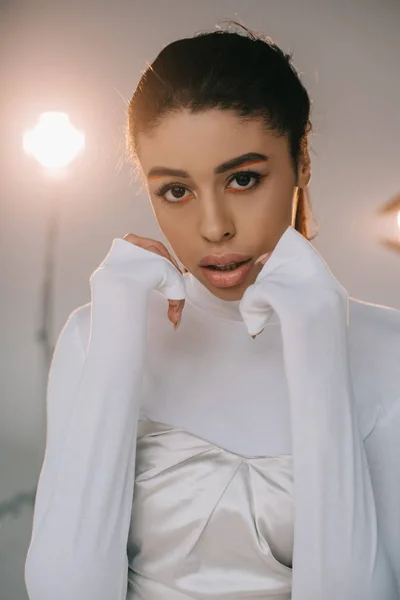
84,497
383,452
337,551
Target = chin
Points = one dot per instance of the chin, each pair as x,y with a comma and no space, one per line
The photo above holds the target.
232,293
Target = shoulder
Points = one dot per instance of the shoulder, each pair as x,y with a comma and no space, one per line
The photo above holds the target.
374,333
374,343
382,321
78,323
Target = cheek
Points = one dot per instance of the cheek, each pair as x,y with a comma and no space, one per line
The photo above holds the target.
270,209
176,227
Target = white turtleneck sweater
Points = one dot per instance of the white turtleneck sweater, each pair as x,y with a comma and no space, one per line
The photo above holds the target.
322,382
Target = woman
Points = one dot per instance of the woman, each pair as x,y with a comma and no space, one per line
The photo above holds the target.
206,462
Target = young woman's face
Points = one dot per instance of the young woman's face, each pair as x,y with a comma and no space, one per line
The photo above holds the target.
219,185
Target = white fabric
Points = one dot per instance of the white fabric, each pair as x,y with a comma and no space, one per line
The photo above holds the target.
311,384
208,523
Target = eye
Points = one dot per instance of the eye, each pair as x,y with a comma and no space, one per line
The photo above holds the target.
173,192
244,180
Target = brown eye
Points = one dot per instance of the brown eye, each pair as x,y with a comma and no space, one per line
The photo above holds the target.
177,192
244,181
173,193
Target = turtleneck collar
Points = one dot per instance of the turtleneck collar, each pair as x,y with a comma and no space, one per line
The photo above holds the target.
201,298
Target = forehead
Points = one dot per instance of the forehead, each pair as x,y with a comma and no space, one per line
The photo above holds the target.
199,142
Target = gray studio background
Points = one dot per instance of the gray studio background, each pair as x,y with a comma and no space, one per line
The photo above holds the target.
85,57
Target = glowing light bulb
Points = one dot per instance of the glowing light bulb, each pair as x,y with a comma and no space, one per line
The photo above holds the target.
54,142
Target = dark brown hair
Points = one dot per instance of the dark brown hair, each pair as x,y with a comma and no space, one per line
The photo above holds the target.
244,72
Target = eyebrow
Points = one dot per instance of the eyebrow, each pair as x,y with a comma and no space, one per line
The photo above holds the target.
244,160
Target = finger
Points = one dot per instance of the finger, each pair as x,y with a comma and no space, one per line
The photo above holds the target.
263,258
175,308
254,336
176,264
165,253
154,250
147,244
151,245
132,238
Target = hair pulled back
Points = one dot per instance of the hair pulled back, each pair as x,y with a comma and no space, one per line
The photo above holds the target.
242,72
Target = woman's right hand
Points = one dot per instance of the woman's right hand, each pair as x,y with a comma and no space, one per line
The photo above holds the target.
175,307
148,263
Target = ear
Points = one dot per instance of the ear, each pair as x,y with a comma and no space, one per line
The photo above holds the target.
304,174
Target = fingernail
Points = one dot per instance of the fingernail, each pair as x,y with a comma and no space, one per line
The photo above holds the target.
263,257
254,336
177,266
176,325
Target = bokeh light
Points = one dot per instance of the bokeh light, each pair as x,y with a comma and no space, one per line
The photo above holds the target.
54,142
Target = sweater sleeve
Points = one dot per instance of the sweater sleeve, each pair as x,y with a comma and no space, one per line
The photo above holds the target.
338,551
78,549
383,453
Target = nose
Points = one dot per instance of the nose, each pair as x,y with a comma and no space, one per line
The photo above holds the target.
216,222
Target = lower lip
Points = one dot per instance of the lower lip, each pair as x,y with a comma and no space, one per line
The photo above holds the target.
226,279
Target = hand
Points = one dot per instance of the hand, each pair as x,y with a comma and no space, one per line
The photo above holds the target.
175,307
295,282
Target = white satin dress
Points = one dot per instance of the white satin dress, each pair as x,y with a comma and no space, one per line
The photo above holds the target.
208,523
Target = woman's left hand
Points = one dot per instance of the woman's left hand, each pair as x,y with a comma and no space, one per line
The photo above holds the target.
294,282
336,534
